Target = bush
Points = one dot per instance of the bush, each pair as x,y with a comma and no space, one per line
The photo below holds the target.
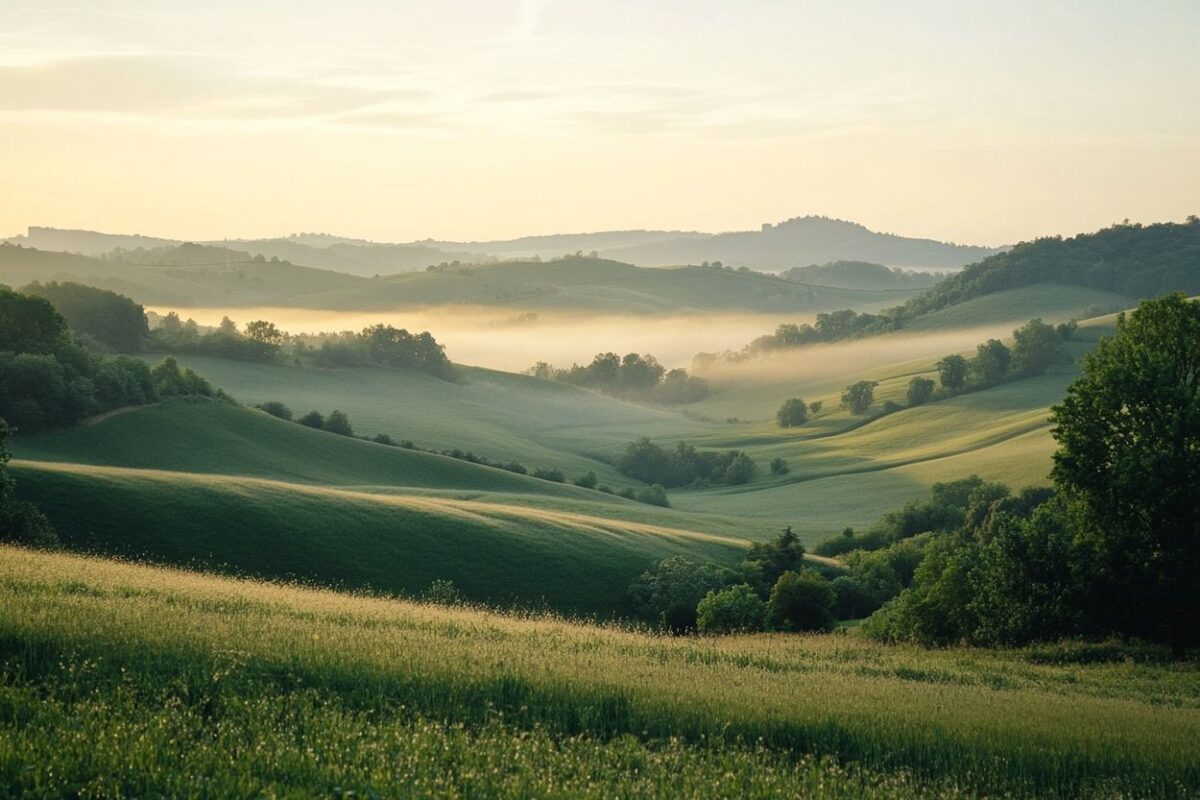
801,601
815,406
737,609
792,413
779,467
588,480
276,409
443,592
383,438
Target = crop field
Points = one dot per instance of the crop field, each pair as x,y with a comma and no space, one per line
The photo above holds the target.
126,680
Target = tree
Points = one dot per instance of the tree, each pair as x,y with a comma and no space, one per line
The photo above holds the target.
858,397
770,560
109,318
1036,346
991,361
337,422
952,372
801,601
919,391
264,333
20,522
276,409
667,594
737,609
313,419
1129,460
740,470
792,413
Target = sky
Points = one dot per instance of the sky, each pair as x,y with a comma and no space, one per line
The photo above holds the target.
968,121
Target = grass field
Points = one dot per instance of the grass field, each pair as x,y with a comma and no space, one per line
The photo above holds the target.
121,680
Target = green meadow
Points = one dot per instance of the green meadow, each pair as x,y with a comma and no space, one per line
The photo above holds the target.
122,680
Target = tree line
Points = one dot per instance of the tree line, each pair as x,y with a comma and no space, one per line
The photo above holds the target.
632,377
49,380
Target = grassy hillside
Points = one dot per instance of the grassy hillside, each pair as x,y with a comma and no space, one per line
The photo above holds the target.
1051,302
498,415
211,483
107,668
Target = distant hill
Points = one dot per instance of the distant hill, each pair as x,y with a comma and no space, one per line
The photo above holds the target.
207,275
559,244
183,275
1134,261
861,275
799,241
321,251
596,284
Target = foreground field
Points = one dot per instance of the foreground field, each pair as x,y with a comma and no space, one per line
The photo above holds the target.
122,680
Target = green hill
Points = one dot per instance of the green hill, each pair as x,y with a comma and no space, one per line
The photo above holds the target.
210,483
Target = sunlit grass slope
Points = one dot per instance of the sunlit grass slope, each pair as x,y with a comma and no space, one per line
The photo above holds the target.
214,437
499,415
499,550
1051,302
122,680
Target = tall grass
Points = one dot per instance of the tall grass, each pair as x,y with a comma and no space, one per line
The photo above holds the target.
122,679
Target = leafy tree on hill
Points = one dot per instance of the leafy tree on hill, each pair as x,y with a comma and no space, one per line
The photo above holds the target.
766,562
952,372
792,413
170,380
1129,461
313,419
1036,346
991,361
801,601
858,397
337,422
919,391
737,609
667,594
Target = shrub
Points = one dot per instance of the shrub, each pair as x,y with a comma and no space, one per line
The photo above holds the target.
653,495
548,474
443,592
779,467
815,406
588,480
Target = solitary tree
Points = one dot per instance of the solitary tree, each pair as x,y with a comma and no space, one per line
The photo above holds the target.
1129,459
952,371
792,413
858,397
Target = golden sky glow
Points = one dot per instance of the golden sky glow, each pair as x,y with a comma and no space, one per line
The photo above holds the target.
977,122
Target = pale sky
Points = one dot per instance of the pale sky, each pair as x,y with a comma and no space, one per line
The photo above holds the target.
971,121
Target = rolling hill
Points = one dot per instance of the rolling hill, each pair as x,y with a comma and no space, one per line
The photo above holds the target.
231,488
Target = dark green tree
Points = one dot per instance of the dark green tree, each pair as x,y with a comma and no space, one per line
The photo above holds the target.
919,391
792,413
337,422
20,522
991,361
801,601
858,397
1129,462
1036,346
737,609
952,372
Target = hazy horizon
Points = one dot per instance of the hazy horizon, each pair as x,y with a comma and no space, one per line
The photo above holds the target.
477,121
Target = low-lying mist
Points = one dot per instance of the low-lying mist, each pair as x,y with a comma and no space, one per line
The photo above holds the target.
512,340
